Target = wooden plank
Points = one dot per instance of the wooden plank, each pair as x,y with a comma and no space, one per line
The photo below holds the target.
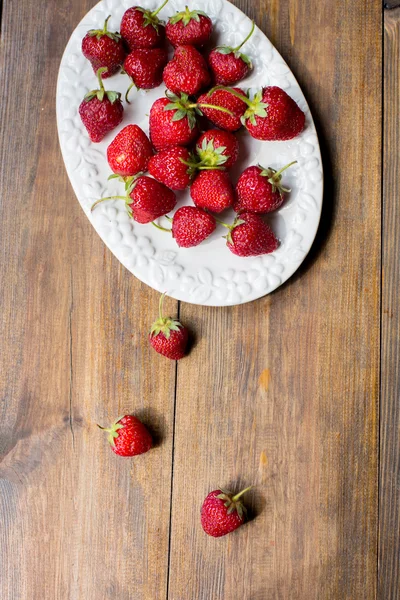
308,439
77,522
389,512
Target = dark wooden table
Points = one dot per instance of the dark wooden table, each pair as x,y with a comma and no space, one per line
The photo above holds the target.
297,393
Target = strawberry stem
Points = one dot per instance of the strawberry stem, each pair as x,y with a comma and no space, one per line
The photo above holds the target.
242,97
284,168
245,39
105,29
100,80
237,496
133,84
155,13
160,306
161,228
108,198
220,108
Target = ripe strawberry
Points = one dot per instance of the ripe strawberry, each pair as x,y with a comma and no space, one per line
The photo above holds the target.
189,27
191,226
260,190
229,65
168,336
222,512
128,436
104,49
224,99
213,191
250,236
146,199
216,147
101,111
187,72
174,167
141,28
129,152
145,67
173,120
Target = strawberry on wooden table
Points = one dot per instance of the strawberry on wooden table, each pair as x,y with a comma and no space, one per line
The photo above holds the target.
130,151
168,336
146,199
222,512
145,68
141,28
249,235
104,49
187,72
189,27
229,65
224,99
128,436
260,190
216,147
213,190
101,110
173,166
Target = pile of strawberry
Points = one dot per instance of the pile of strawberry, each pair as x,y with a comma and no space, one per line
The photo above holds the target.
192,129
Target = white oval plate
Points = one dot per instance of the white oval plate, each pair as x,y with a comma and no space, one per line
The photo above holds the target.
208,274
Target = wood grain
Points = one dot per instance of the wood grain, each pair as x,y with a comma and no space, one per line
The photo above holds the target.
309,441
389,522
77,522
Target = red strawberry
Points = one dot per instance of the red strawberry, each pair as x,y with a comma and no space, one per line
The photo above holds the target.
187,72
104,49
228,64
173,166
128,436
146,199
213,191
250,236
260,190
222,512
129,152
216,147
191,226
168,336
224,99
141,28
189,27
145,67
101,111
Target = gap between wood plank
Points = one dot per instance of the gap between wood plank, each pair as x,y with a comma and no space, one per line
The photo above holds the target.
172,469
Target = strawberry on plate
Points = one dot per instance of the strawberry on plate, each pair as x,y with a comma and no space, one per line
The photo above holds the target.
128,436
249,235
222,512
189,27
141,28
145,68
146,199
229,65
191,226
260,190
224,99
174,167
187,72
216,147
101,111
168,336
104,49
130,151
212,190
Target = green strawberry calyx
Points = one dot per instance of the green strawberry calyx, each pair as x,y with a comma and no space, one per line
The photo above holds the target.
238,221
150,18
101,93
235,51
112,431
163,324
130,183
185,108
233,502
186,16
100,32
211,156
275,177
